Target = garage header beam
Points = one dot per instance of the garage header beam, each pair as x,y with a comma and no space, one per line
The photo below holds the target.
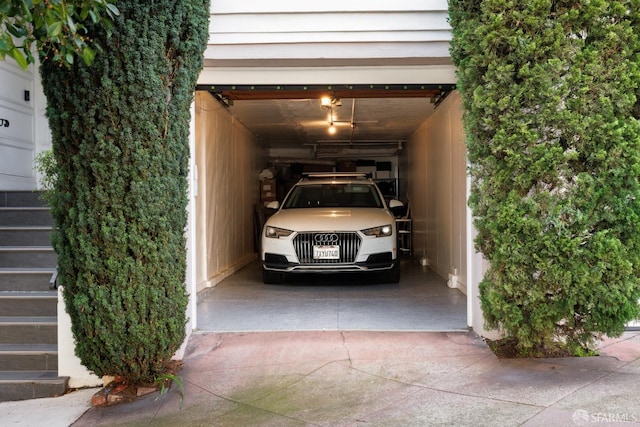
261,92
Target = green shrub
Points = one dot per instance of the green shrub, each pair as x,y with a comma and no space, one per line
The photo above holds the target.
550,92
120,139
45,165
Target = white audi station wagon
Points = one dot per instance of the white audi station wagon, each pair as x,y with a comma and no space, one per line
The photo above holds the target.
331,223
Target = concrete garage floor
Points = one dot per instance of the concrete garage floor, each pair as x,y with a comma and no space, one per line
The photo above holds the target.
420,302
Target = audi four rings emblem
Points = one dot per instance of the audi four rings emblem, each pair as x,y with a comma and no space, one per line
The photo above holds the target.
326,238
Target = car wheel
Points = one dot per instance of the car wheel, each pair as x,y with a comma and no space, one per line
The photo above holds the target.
393,275
271,277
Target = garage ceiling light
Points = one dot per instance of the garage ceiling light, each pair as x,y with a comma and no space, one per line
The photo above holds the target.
330,102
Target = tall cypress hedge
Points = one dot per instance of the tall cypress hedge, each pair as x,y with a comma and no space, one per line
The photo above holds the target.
551,97
120,139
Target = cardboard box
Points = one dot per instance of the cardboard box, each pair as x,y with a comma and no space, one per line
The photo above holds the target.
268,189
268,185
367,169
362,162
317,168
346,166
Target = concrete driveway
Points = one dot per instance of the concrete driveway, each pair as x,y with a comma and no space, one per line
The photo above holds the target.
356,378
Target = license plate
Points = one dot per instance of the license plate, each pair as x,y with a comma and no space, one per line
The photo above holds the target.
326,252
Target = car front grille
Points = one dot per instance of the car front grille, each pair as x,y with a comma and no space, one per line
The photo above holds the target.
349,243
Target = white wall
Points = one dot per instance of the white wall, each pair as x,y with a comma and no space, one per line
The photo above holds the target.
69,364
435,158
228,163
438,184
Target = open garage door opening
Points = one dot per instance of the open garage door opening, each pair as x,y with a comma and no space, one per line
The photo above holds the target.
252,145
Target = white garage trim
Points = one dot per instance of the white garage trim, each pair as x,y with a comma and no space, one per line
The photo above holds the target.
287,6
418,74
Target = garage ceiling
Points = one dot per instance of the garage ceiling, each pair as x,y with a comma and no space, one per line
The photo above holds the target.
377,119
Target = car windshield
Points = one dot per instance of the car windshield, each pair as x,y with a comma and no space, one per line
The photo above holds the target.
333,195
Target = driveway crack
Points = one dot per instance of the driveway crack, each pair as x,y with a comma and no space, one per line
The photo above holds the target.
344,344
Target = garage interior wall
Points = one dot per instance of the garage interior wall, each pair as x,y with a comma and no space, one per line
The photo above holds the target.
228,162
435,160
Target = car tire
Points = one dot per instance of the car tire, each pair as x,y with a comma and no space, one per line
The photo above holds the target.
271,277
393,275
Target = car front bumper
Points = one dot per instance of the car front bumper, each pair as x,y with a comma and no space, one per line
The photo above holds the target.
374,262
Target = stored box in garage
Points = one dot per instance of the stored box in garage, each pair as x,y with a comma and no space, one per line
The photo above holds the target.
346,166
268,190
318,168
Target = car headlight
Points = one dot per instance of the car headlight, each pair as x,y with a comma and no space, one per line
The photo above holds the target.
276,233
382,231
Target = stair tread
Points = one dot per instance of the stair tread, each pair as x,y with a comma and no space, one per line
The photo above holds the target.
25,320
30,294
25,228
24,208
12,376
26,270
26,248
28,348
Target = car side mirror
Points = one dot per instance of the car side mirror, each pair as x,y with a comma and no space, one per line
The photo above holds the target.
273,205
393,203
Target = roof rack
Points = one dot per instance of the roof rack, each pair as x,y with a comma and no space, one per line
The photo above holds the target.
336,175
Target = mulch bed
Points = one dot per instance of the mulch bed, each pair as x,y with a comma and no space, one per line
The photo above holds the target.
505,348
119,391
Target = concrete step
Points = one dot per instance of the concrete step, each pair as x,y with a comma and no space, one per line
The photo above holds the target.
29,357
22,385
28,304
21,199
28,330
25,236
27,257
28,308
20,279
29,216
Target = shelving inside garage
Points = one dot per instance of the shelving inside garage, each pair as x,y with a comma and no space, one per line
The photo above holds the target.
286,174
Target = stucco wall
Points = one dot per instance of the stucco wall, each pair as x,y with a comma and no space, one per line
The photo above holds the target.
436,162
228,162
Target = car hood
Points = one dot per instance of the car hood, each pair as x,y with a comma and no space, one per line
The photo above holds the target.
330,219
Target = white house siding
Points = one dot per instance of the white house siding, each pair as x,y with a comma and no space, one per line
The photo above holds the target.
256,30
228,165
255,42
17,136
